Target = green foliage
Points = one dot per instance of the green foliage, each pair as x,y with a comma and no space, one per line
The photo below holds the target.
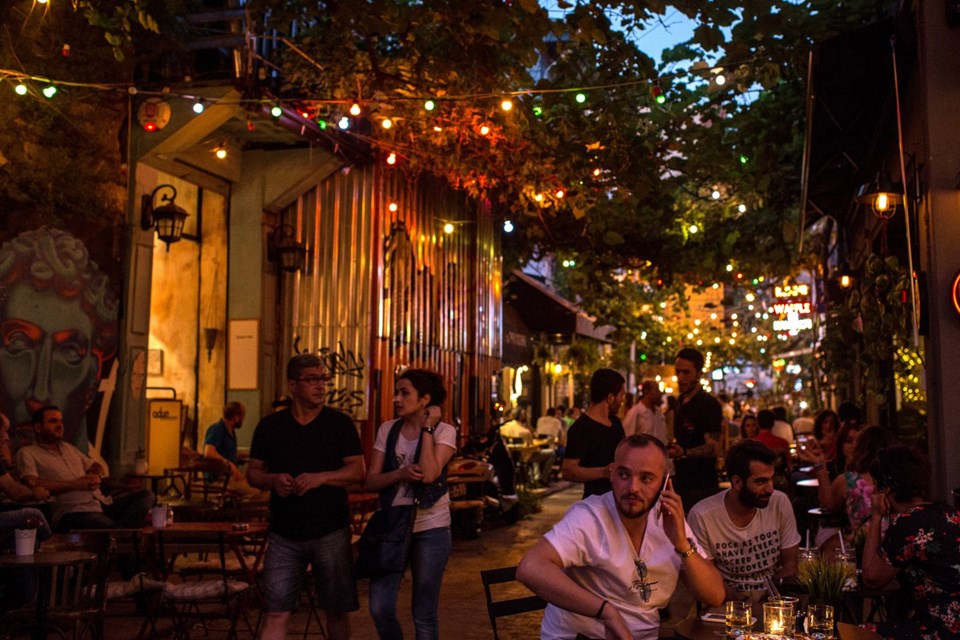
823,579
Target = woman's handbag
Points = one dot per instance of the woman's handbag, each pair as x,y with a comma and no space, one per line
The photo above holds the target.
384,544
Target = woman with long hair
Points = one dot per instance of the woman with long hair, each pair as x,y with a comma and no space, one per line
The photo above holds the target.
408,466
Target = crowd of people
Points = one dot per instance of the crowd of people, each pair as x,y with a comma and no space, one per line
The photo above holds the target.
652,512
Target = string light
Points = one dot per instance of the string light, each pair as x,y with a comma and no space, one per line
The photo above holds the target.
429,105
538,197
484,130
560,193
321,123
537,111
392,207
657,94
715,195
742,208
355,109
220,152
20,89
344,123
49,91
581,98
506,105
694,229
392,159
276,111
386,123
507,226
198,107
448,228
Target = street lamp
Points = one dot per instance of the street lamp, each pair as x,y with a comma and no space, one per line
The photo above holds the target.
167,218
881,194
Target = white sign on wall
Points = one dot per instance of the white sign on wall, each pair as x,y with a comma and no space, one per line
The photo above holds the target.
243,354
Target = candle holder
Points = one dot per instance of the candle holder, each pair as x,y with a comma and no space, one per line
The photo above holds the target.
778,618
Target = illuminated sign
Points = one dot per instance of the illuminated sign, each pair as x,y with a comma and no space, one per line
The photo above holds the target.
955,292
792,291
793,323
793,305
785,308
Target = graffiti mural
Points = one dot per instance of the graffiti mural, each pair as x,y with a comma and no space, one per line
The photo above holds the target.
58,329
345,387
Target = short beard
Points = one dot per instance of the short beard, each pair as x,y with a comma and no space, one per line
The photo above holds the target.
635,515
751,500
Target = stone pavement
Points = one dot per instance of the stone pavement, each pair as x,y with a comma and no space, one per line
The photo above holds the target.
463,614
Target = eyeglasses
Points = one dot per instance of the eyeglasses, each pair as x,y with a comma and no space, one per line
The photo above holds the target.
644,588
312,380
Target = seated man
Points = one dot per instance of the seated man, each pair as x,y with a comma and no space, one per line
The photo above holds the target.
220,443
749,530
549,425
74,481
540,460
614,559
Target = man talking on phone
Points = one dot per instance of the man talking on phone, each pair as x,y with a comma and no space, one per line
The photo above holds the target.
615,558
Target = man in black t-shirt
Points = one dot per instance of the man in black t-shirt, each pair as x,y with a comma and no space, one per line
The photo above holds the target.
696,429
592,440
305,456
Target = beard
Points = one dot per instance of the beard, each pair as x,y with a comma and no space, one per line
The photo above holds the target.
754,500
634,512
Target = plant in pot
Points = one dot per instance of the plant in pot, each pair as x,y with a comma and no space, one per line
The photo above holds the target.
823,579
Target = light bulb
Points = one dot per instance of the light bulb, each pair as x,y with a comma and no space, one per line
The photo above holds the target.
742,208
276,111
392,158
344,123
581,98
448,228
392,206
484,130
21,89
49,91
386,123
715,195
560,193
198,107
694,228
882,203
355,109
507,226
221,153
506,105
429,105
721,80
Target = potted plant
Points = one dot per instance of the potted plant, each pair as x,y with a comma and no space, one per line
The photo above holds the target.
823,580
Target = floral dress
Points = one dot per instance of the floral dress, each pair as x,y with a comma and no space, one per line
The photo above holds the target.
924,544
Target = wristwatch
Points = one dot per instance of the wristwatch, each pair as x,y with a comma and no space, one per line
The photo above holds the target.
429,430
689,551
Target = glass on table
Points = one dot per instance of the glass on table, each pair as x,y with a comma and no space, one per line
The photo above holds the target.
778,618
738,618
848,557
797,615
820,621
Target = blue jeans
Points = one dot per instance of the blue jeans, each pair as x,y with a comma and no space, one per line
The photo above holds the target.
429,552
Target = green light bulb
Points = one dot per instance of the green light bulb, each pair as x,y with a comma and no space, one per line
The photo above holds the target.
581,98
538,111
49,91
276,111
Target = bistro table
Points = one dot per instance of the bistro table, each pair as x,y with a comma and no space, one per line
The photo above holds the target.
44,562
234,533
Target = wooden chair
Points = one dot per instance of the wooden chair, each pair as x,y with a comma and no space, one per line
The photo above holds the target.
203,484
509,606
221,596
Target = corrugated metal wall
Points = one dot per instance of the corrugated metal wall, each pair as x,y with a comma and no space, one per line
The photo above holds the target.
385,288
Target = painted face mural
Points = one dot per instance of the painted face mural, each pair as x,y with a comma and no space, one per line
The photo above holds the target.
58,328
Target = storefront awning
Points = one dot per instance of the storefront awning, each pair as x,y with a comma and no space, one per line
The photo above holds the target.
548,314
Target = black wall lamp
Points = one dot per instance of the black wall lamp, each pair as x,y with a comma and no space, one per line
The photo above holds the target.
284,248
881,194
167,218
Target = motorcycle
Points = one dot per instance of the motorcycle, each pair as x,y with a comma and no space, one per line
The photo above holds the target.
475,488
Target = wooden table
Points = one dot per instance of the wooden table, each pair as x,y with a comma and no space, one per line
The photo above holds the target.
153,479
44,562
233,533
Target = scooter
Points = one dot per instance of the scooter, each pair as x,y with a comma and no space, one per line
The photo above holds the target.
475,490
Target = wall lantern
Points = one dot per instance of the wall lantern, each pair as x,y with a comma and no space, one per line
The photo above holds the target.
167,218
881,194
283,248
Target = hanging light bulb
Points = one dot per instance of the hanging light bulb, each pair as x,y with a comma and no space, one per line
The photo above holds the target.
392,206
344,123
484,130
448,228
507,226
386,123
657,94
220,152
581,98
276,111
694,229
392,158
20,89
559,194
507,104
198,106
355,109
49,91
429,105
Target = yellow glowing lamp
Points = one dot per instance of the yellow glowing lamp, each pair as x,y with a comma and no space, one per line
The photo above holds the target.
221,153
448,228
392,206
386,123
558,368
845,281
484,130
507,104
355,109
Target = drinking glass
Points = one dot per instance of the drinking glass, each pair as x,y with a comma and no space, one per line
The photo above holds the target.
820,621
737,618
849,559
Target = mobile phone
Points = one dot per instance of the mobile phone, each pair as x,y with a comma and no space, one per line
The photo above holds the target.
714,617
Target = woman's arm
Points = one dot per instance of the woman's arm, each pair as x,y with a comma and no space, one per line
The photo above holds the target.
876,572
377,479
833,495
434,455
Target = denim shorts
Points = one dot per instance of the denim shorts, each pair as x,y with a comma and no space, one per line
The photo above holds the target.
331,559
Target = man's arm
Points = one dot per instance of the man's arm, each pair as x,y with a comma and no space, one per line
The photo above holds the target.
88,482
351,472
210,452
571,471
699,574
709,449
788,561
258,477
542,571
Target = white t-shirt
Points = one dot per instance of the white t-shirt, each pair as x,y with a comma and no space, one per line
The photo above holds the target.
439,514
598,555
783,430
67,463
550,426
640,419
745,556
